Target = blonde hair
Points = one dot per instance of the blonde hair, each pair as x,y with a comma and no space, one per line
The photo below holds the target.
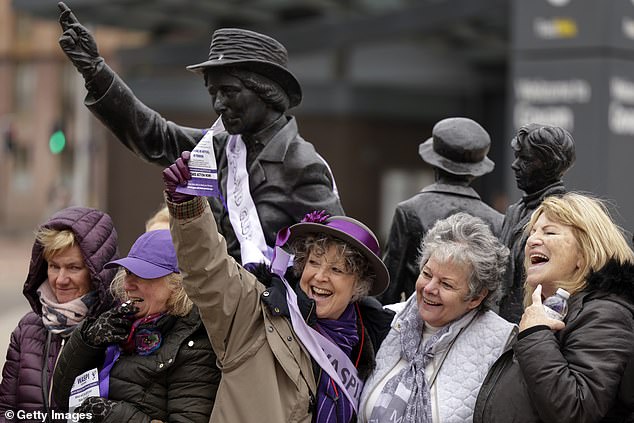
55,241
598,238
159,220
178,304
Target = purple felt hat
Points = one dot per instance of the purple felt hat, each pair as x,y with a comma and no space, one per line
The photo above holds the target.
253,51
152,256
354,233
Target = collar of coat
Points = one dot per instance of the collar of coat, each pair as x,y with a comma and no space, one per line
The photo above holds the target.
376,320
275,147
534,199
613,278
465,191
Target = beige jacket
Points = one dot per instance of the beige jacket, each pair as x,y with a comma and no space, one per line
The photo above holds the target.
266,373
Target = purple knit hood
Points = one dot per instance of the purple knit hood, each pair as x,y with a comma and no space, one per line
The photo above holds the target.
97,240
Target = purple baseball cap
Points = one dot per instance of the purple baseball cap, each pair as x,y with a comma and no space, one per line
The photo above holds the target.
152,256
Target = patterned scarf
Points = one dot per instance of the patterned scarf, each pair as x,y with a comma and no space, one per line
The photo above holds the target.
406,396
145,337
61,318
142,341
332,405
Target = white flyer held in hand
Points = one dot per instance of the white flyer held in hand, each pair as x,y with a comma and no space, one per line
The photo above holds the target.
202,166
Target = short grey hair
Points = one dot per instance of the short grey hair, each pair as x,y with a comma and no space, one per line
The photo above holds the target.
467,240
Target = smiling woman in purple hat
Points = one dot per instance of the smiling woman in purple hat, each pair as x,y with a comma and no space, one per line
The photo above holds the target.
293,346
152,353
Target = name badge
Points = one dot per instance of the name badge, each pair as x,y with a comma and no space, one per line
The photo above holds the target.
86,385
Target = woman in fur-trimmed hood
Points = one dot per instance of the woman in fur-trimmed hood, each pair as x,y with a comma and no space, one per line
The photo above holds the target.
66,283
581,369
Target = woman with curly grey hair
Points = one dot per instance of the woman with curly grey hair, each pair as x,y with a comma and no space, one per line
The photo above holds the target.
443,339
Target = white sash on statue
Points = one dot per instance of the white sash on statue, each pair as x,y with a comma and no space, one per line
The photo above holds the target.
242,212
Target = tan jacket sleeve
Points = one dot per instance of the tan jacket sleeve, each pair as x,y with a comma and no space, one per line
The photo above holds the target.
227,295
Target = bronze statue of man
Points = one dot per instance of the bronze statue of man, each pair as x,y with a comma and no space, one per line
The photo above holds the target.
542,155
457,150
251,88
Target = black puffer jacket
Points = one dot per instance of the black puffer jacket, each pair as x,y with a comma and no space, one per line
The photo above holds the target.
176,383
577,374
33,349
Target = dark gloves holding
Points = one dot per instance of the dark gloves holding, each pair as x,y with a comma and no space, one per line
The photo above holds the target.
97,407
111,327
78,43
175,175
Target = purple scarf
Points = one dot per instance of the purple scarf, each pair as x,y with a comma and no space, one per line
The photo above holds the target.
332,405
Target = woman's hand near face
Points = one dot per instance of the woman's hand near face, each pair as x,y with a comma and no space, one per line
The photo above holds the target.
112,326
534,315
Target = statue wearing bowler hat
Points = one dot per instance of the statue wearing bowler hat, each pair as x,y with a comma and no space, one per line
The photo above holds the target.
457,151
251,88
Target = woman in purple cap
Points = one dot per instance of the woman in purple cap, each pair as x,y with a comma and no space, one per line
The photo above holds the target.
293,346
151,353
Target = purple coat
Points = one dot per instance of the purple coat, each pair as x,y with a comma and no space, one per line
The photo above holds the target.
33,350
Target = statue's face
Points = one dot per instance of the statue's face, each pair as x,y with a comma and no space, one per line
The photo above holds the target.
242,110
529,169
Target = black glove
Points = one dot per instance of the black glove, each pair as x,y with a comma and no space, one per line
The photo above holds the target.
97,407
175,175
78,43
111,327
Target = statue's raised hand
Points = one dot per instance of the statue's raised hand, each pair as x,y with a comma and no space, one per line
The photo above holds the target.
78,43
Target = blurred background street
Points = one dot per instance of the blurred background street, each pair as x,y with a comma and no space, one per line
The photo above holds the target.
15,252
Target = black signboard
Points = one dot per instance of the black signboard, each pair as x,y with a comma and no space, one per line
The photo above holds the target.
570,24
572,65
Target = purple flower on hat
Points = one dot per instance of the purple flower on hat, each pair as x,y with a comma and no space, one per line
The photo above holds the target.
316,217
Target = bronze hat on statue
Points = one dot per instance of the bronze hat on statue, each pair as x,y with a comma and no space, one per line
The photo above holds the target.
252,51
459,146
